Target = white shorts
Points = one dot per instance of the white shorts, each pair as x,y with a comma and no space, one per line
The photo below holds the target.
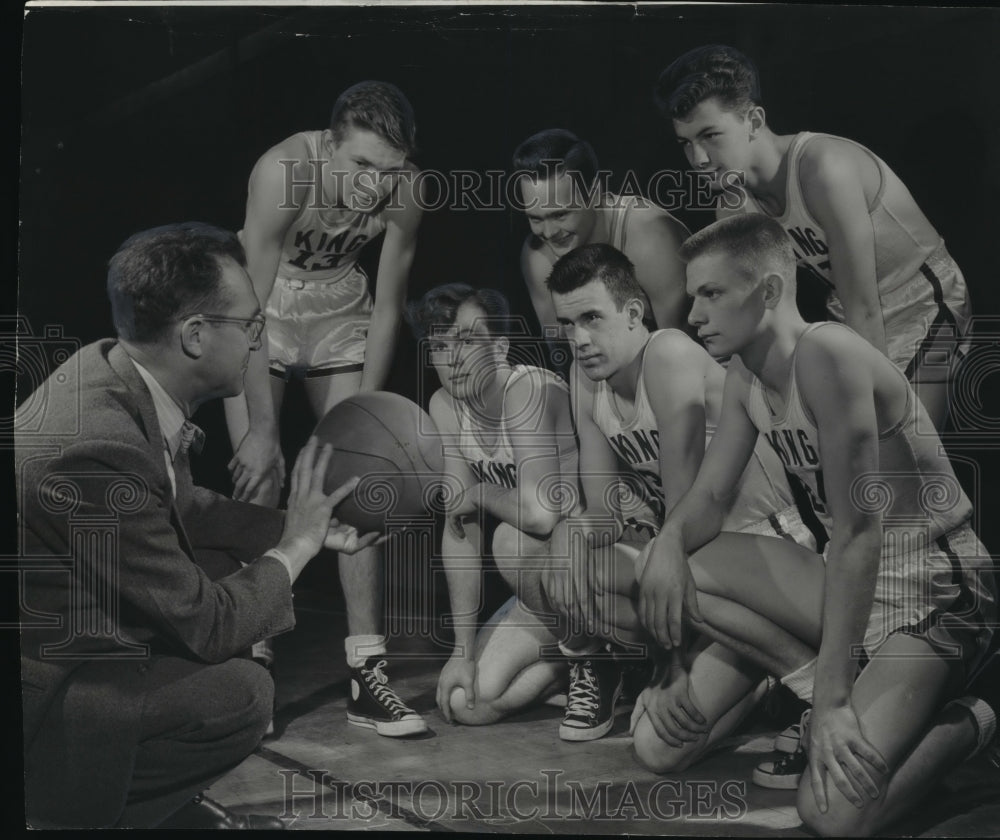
942,591
316,325
926,318
786,524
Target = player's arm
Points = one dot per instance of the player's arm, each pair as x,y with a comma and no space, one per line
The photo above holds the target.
535,269
697,518
569,589
654,238
833,187
395,261
461,560
257,467
837,388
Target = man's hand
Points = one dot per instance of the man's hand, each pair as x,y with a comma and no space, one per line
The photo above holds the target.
666,592
458,672
838,750
309,522
257,461
674,716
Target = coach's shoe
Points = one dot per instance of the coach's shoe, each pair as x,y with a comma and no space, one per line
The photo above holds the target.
788,740
204,813
594,688
376,706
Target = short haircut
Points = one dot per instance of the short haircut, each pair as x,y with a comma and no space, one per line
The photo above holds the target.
162,274
557,144
438,308
757,241
379,107
597,262
713,71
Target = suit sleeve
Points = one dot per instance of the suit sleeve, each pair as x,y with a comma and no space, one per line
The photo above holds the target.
162,595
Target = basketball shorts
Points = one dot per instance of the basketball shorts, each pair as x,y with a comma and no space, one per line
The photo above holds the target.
927,319
786,524
942,591
315,326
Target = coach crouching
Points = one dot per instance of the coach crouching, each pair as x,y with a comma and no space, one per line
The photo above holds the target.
143,593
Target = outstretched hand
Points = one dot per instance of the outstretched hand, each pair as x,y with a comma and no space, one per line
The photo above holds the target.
309,520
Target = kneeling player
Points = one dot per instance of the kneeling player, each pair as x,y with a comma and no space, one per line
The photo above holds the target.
510,453
649,403
906,594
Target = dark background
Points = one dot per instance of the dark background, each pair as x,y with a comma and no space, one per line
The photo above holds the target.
135,117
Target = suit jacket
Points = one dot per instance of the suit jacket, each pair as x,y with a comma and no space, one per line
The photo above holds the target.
112,576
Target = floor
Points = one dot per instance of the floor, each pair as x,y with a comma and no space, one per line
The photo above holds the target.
319,773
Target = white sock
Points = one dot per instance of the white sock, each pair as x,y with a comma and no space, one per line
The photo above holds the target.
800,681
984,717
359,648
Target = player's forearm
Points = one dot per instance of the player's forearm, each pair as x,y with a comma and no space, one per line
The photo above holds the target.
865,318
849,586
257,391
463,573
380,347
695,520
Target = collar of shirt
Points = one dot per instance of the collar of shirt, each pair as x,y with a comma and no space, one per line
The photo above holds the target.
168,413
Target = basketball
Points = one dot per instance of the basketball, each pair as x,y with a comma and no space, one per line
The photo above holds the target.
392,445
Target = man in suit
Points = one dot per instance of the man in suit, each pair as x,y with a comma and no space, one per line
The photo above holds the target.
142,593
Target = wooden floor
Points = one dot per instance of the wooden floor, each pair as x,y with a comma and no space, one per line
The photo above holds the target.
320,773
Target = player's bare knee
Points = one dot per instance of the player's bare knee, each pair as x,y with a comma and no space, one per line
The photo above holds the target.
506,542
482,711
841,819
657,755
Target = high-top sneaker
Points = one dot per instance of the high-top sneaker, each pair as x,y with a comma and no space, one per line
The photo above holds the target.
375,705
594,688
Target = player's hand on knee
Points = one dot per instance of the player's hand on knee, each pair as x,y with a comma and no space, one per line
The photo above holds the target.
667,594
258,458
838,752
556,585
458,672
675,718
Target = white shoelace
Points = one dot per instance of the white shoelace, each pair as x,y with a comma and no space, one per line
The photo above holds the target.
378,683
584,697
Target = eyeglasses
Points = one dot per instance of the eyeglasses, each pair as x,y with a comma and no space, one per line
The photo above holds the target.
441,347
253,327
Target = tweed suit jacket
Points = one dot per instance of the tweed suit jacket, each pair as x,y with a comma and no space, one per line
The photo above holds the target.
112,577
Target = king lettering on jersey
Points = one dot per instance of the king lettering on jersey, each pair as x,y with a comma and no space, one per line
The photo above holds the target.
495,472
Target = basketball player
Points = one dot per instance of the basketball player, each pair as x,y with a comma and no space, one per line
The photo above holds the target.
647,403
904,592
563,199
314,201
853,223
511,456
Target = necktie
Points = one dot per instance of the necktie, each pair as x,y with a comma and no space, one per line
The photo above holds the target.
192,438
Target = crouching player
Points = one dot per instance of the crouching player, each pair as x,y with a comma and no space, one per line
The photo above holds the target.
511,459
646,405
889,625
